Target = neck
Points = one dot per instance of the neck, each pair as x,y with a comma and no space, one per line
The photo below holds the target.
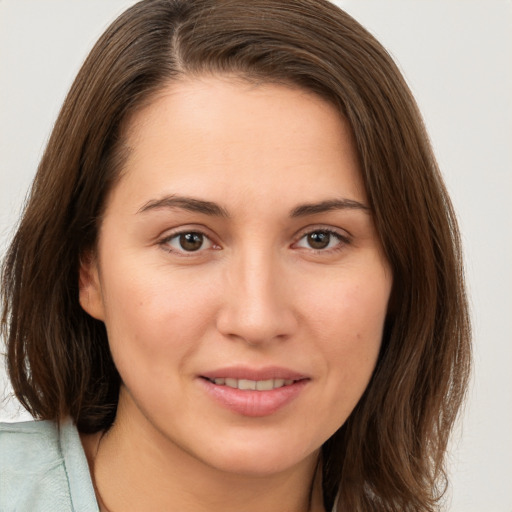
135,468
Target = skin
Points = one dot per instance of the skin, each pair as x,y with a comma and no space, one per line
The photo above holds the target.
255,293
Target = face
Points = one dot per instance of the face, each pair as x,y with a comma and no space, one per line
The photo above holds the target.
239,275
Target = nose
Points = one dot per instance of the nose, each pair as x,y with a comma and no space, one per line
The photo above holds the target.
257,306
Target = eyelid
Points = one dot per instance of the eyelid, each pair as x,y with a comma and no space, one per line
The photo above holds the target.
164,239
342,235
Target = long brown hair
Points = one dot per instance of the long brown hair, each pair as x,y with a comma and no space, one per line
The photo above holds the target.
389,455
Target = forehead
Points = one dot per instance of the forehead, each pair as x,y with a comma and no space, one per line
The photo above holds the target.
215,135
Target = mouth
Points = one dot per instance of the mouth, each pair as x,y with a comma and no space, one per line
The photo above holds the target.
252,385
254,392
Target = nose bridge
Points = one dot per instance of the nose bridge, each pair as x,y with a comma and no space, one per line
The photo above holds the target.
257,307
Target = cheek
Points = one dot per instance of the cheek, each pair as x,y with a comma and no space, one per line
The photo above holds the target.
348,317
154,315
352,308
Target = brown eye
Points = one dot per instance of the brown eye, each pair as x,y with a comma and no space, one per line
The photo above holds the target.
187,241
322,240
319,239
191,241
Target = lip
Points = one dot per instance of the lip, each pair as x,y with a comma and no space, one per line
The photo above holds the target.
265,373
254,403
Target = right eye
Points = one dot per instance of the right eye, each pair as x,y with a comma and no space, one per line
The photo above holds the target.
187,241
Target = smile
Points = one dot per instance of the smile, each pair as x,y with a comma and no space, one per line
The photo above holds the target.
252,385
254,392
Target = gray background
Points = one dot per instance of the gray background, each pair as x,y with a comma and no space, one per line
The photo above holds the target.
456,56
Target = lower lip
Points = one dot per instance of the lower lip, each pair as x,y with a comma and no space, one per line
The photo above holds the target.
254,403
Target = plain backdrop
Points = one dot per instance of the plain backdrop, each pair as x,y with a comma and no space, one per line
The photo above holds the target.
456,56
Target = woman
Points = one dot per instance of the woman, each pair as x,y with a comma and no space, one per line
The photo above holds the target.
237,283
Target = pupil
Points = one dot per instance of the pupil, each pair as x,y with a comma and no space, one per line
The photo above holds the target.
191,241
319,239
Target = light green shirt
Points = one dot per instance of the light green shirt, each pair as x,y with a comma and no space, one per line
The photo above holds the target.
43,468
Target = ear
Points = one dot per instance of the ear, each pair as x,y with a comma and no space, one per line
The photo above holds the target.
90,292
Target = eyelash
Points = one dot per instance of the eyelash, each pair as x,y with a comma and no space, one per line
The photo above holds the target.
342,239
165,242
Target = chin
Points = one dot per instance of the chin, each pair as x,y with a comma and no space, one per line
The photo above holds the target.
262,459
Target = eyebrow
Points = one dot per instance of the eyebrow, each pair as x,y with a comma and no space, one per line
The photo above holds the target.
326,206
213,209
185,203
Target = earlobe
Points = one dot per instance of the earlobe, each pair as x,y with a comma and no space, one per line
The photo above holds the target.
90,293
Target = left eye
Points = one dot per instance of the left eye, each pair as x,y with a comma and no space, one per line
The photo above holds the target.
320,240
190,241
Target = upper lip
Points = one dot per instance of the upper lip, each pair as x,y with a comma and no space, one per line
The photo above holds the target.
264,373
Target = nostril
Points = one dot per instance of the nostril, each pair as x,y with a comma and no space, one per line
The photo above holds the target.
257,326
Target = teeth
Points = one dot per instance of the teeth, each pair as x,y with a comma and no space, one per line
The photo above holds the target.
232,383
266,385
246,384
259,385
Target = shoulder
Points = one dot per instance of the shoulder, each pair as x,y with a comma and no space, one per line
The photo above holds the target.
31,467
40,464
29,441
